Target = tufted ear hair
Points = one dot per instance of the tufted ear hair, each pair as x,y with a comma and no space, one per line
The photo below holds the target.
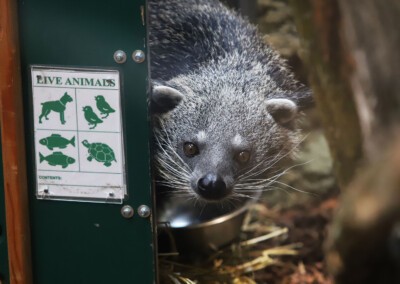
302,98
164,99
282,110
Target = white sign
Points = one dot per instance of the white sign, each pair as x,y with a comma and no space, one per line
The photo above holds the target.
79,148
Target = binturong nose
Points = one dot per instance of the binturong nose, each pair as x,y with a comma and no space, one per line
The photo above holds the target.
212,187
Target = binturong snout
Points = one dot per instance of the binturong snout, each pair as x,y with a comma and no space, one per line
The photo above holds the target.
212,187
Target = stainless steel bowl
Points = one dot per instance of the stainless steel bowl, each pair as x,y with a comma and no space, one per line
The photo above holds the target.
199,230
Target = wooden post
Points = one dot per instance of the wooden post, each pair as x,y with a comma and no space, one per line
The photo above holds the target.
13,147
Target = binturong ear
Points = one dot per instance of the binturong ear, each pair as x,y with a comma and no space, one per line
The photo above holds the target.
282,110
164,99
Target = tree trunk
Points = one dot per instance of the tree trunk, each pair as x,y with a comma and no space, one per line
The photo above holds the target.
329,66
352,50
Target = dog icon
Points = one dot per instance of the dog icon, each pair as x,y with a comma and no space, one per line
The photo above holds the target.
56,106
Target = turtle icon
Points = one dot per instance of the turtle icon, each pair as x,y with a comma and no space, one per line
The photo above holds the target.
101,152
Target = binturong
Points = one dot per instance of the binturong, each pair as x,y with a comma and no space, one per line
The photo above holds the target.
224,104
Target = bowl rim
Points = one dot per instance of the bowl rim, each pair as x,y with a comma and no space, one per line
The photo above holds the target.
217,220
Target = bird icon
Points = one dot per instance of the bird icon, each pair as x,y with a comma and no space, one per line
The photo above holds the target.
91,117
103,106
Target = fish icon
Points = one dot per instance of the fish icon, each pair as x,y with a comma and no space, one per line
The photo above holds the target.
56,141
57,159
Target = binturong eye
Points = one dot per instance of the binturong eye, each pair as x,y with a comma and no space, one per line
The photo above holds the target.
243,157
190,149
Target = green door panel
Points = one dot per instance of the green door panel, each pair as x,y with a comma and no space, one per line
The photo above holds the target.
83,242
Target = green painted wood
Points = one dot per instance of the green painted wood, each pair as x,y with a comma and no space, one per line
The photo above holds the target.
4,269
88,243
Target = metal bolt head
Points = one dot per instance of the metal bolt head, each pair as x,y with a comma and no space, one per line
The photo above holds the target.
138,56
120,56
144,211
127,211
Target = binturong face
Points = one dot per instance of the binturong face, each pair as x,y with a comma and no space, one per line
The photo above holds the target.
223,144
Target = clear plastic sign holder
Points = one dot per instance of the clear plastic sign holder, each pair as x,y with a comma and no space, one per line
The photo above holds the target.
78,134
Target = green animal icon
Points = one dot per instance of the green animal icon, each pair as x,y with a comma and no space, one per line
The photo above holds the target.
91,117
103,106
57,159
56,141
101,152
56,106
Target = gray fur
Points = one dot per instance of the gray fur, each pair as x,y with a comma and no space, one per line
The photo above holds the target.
230,80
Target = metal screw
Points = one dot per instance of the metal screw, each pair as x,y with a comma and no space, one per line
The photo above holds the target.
144,211
120,56
127,211
138,56
111,194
